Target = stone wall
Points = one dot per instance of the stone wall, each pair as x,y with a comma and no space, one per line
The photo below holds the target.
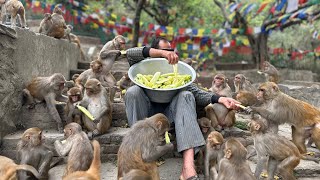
23,55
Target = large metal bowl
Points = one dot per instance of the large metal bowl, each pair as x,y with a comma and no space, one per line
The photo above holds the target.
153,65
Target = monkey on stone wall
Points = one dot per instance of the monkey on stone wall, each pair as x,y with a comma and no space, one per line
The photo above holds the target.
48,89
15,9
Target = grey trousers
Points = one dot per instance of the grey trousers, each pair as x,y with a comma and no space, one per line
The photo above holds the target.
181,111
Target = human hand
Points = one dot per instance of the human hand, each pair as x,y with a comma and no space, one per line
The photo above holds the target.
230,103
171,56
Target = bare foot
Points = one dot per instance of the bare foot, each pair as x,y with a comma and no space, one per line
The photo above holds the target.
187,172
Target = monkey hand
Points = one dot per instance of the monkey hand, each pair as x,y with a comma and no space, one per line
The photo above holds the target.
248,110
95,120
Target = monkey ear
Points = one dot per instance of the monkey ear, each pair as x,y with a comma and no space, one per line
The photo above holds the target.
159,125
228,154
275,87
98,84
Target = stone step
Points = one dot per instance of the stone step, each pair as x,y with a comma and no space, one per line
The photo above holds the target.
39,116
109,142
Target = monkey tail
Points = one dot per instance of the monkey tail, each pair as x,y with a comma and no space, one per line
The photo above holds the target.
96,162
314,159
28,168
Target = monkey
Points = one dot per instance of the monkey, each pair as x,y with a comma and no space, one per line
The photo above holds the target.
54,25
206,129
279,108
8,169
283,155
93,173
117,43
246,98
242,83
45,24
108,57
75,39
123,84
71,112
143,145
213,154
97,101
234,165
95,71
136,174
271,73
78,148
205,126
32,151
220,116
48,89
14,8
220,86
74,77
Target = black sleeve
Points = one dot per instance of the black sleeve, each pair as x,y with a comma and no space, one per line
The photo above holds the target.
146,51
215,98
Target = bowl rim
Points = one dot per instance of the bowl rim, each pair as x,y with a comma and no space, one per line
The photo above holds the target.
193,76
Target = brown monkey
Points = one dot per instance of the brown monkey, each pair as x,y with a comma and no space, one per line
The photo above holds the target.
54,26
279,108
206,129
205,126
8,169
45,24
74,77
283,155
117,43
71,112
32,151
95,71
220,116
93,173
271,73
143,145
220,86
108,57
242,83
136,174
78,148
213,154
246,98
75,39
97,101
234,165
14,8
125,82
48,89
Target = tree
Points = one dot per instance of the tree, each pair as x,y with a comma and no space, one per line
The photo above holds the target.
275,10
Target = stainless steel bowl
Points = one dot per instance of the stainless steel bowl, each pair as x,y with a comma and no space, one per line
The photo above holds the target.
153,65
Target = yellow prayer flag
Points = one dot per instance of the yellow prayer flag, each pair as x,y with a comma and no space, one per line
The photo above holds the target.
184,46
200,32
169,30
111,22
234,30
114,16
245,42
130,36
95,26
231,16
185,55
75,13
37,3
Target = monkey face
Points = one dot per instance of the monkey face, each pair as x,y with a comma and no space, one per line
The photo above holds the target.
238,79
218,80
96,66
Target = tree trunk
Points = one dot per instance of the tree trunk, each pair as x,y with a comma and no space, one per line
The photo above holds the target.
136,28
259,46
